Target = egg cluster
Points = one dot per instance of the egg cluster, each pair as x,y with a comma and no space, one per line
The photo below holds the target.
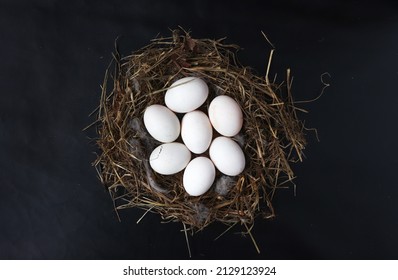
224,115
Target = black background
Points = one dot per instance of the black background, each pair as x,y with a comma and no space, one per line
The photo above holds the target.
53,58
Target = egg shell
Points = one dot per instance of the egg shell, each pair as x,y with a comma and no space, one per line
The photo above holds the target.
196,131
227,156
169,158
186,94
199,176
225,115
161,123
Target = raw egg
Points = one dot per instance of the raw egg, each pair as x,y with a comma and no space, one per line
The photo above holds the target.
227,156
225,115
196,131
186,94
161,123
169,158
199,175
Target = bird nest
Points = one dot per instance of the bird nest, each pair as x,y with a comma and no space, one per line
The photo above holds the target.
271,137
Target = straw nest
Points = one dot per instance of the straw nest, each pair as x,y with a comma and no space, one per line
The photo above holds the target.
271,138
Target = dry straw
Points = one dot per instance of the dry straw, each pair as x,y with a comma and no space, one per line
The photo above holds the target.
272,136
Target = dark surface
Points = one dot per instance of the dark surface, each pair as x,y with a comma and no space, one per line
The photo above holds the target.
53,58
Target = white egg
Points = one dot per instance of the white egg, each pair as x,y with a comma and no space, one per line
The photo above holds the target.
196,131
169,158
186,94
227,156
199,176
161,123
225,115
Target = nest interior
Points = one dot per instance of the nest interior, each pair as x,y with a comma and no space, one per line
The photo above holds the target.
271,137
